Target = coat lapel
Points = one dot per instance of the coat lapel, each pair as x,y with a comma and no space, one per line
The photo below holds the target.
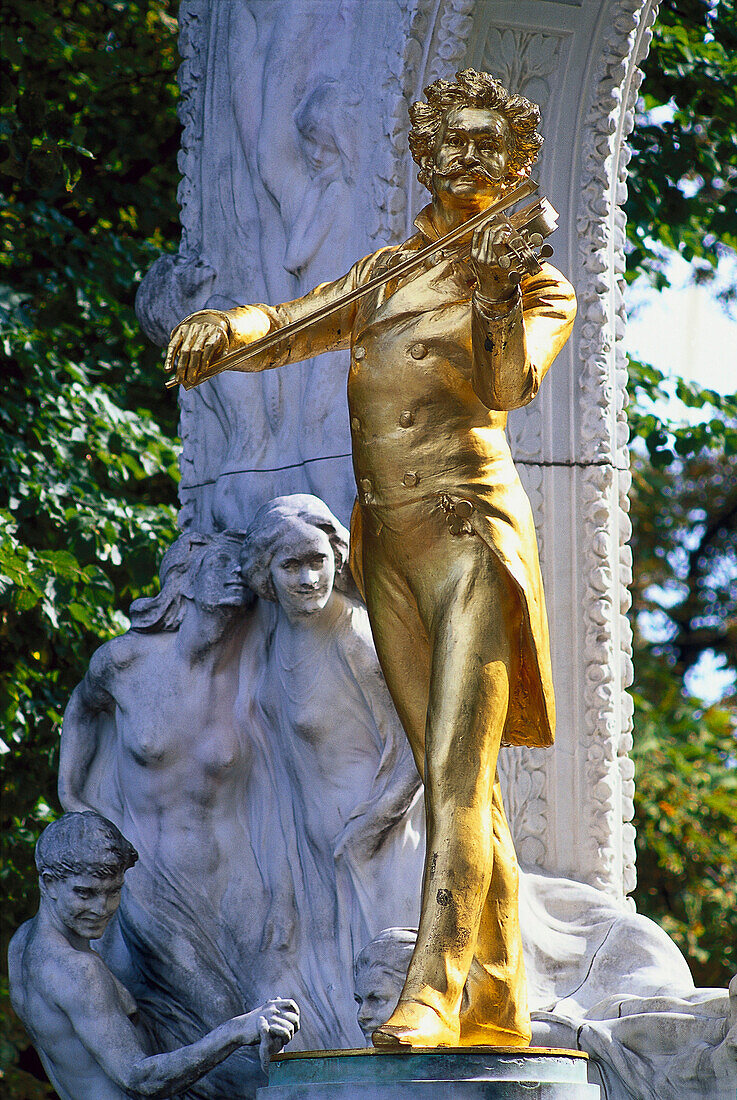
439,284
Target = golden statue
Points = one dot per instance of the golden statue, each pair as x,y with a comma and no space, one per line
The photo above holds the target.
442,536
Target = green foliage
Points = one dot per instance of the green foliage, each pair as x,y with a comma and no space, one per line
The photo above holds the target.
88,137
683,197
683,193
684,510
686,842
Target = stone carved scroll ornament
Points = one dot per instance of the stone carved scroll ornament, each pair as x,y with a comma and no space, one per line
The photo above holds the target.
600,224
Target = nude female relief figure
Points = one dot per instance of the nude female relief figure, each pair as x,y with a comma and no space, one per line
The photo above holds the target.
250,749
150,740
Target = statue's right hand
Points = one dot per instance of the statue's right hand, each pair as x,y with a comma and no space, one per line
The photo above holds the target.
196,343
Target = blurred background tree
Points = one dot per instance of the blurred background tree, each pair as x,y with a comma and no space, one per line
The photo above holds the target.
88,142
684,517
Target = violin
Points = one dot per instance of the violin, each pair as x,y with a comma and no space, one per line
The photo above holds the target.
524,248
527,230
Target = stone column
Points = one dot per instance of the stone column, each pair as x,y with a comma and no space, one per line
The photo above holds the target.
294,161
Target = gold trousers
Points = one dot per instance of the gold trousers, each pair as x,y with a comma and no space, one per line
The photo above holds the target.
446,622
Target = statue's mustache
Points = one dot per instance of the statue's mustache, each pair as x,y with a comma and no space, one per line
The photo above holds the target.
457,168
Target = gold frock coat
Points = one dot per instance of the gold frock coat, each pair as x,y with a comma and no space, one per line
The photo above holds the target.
434,370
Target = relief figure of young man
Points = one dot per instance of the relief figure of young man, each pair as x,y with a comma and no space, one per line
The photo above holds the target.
82,1020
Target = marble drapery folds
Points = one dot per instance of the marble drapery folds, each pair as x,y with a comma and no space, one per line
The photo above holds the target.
192,734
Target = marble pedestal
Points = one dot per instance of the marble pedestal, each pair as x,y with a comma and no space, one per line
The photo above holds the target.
478,1073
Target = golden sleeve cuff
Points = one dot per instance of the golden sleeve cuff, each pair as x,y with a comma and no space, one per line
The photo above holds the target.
502,376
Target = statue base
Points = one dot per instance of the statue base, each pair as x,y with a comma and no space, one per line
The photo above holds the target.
466,1073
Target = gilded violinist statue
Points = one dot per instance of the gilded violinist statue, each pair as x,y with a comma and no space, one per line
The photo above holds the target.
442,537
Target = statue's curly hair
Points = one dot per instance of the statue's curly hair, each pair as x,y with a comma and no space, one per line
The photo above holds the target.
474,89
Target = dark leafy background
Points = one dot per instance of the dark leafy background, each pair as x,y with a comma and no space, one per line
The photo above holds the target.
88,141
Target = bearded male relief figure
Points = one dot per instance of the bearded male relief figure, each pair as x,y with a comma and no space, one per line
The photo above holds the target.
443,542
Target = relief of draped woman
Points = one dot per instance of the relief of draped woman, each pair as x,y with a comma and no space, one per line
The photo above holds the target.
316,210
348,792
307,170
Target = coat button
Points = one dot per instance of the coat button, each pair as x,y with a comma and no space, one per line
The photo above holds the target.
418,351
464,509
406,419
410,479
355,423
365,485
359,353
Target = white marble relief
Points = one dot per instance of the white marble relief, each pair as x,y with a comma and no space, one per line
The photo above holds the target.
249,750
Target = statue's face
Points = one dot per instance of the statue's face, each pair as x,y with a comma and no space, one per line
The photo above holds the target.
219,581
303,571
471,156
85,903
376,994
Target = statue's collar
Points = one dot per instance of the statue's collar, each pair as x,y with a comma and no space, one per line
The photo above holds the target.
425,224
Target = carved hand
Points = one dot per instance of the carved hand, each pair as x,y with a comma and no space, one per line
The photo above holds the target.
488,246
278,1020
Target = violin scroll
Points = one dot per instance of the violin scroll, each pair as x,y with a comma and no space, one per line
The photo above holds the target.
528,229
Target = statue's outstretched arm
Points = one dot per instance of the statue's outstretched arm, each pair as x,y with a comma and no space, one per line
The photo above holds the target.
93,1008
272,1025
200,340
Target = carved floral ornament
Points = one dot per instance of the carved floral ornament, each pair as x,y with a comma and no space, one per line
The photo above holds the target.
524,60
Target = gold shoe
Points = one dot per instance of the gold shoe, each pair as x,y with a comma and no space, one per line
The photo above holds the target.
413,1024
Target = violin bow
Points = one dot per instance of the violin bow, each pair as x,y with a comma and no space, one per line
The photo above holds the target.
398,271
